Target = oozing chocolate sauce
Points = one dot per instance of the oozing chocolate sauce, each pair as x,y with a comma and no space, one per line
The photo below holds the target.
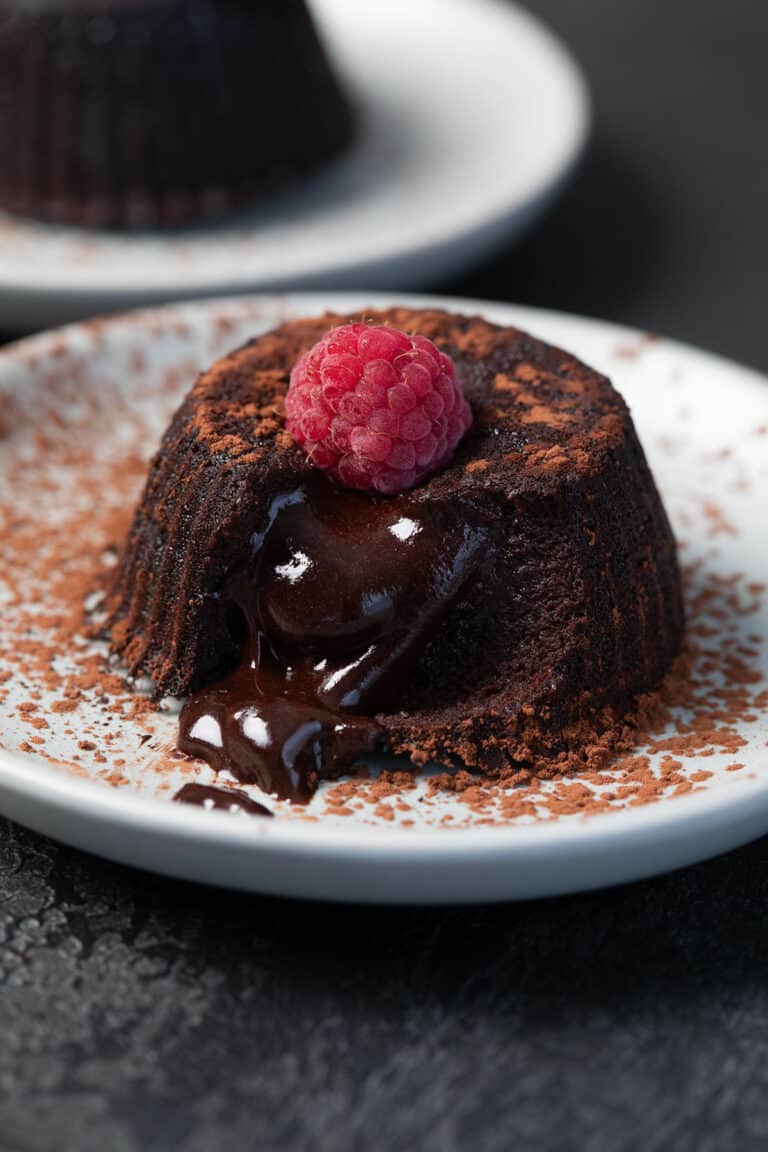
226,799
339,597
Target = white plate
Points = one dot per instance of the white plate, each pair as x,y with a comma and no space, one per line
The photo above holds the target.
472,115
704,423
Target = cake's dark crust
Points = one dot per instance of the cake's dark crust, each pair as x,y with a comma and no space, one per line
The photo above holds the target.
578,608
137,113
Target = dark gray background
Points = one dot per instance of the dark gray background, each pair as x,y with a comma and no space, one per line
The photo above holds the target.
138,1013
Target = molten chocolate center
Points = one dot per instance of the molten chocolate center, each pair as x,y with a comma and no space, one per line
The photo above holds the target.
338,599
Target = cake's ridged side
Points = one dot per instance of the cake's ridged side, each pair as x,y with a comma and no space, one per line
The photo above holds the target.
212,500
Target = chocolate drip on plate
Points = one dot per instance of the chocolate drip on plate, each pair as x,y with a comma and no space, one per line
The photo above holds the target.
232,800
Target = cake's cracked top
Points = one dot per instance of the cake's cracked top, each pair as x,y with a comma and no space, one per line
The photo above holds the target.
539,413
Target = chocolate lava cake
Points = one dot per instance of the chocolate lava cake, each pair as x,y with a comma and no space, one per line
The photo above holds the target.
531,584
137,113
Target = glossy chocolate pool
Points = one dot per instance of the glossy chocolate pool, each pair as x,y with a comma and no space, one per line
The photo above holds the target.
340,595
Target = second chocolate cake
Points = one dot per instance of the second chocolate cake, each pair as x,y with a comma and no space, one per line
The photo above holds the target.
485,617
145,113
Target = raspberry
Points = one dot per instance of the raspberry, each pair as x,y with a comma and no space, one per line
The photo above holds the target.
376,408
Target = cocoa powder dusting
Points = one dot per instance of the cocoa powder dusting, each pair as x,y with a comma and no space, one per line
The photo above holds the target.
57,547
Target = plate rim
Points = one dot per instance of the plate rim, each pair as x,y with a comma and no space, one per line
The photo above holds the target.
21,774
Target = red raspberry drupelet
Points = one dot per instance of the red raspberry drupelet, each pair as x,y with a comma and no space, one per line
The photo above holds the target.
376,408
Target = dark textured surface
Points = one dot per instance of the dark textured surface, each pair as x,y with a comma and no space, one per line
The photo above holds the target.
144,1014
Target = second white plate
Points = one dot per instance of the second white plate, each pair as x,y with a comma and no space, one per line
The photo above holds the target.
472,113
